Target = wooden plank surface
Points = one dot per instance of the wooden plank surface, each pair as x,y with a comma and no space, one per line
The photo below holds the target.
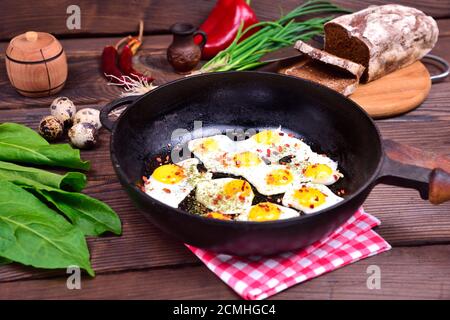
121,17
406,273
145,255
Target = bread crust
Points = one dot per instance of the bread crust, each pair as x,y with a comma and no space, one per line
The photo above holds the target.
394,35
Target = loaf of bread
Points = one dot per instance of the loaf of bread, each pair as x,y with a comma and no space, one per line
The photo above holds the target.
322,67
381,38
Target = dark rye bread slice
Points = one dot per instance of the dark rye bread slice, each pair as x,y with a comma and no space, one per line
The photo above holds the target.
333,72
381,38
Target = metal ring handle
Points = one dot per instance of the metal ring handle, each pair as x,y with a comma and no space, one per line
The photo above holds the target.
106,110
442,64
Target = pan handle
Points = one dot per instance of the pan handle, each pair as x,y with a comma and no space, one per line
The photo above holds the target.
106,110
411,167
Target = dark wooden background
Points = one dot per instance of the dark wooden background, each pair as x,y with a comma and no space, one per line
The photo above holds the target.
144,262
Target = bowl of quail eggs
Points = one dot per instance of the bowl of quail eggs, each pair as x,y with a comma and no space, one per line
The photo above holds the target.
81,126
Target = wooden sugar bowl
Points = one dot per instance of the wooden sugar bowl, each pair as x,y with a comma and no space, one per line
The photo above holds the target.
36,64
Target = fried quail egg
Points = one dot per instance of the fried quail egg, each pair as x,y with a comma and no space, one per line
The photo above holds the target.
317,169
270,179
171,183
267,211
211,150
239,163
273,145
310,197
226,195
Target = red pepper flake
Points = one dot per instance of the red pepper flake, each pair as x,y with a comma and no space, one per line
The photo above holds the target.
158,159
281,133
287,145
259,150
335,176
215,201
280,148
166,190
311,206
144,178
268,152
219,197
290,135
241,198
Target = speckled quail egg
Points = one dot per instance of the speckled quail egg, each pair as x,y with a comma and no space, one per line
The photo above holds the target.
63,109
88,115
83,135
51,128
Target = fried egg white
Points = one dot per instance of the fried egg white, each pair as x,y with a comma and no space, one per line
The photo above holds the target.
211,150
226,195
310,197
267,211
273,145
270,179
171,183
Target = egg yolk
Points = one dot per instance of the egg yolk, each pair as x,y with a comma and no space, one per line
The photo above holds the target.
279,177
169,174
309,197
235,187
267,137
208,145
218,215
246,159
264,211
318,171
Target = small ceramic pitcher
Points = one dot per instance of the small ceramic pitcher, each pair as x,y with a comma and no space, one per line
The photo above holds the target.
184,54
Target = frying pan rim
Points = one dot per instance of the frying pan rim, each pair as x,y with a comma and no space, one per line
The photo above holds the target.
262,224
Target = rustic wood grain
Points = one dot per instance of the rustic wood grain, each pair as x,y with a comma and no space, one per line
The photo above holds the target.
144,258
406,273
121,17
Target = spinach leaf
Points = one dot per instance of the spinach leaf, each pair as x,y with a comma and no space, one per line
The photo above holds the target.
21,144
92,216
33,234
75,181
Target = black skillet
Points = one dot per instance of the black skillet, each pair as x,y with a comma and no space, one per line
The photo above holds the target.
327,120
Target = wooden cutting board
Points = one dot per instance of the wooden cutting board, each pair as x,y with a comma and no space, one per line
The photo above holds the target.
396,93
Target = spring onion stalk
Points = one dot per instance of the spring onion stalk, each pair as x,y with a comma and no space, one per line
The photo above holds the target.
272,36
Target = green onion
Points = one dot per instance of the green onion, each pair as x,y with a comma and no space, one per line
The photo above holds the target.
272,36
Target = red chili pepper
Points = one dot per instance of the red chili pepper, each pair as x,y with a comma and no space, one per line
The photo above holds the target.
126,63
223,24
109,64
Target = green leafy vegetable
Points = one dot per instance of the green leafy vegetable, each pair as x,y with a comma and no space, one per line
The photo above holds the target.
33,234
75,181
19,143
4,261
92,216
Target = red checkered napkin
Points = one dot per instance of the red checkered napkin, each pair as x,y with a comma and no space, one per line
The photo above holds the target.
256,278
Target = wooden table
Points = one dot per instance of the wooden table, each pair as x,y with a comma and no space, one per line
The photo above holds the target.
146,263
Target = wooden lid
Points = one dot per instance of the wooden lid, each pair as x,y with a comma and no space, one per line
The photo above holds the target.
32,46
